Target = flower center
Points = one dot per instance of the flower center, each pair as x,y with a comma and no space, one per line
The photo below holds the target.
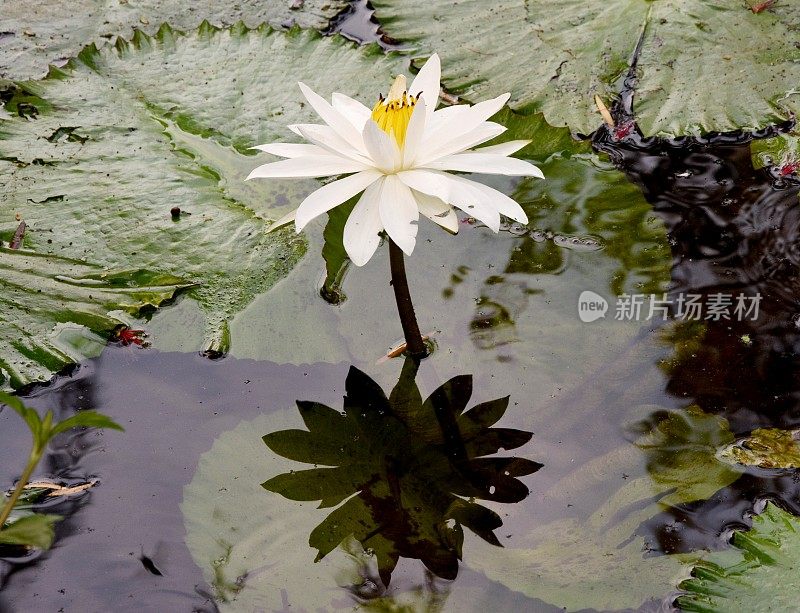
393,113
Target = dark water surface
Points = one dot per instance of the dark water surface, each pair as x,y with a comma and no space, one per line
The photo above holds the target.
732,229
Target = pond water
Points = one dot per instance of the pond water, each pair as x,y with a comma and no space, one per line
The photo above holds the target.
626,415
612,483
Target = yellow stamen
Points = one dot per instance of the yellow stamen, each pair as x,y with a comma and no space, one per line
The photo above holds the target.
393,113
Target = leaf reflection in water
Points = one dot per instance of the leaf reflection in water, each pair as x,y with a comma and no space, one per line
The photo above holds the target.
403,473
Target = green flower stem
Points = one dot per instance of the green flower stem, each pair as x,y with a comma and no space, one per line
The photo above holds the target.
33,460
405,308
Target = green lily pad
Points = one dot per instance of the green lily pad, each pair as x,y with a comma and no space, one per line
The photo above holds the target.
763,577
49,304
98,154
765,448
48,31
697,71
781,150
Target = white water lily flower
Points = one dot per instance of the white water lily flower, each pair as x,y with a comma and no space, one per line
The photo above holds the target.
398,155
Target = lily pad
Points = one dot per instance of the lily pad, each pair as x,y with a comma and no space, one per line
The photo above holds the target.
39,291
782,151
49,31
762,578
99,153
696,71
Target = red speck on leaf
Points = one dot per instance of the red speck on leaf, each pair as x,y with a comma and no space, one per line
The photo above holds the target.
128,336
623,129
762,6
789,168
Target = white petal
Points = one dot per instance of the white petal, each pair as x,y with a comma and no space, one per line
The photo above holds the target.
326,138
331,195
291,150
308,166
427,83
288,218
414,133
363,227
355,112
333,118
399,213
459,194
507,148
430,150
382,148
493,198
438,211
449,112
459,123
484,110
487,163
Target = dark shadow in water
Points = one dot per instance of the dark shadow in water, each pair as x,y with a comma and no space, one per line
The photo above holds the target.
733,230
408,469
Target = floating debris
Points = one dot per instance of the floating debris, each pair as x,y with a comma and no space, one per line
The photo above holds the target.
54,489
19,236
765,448
567,241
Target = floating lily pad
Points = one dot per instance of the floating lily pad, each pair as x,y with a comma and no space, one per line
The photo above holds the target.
782,151
47,31
39,291
697,72
765,448
762,578
99,153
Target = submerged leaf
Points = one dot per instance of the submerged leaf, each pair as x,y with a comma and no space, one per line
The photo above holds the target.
765,448
32,531
682,449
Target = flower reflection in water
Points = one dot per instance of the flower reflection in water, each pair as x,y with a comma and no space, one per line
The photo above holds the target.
403,472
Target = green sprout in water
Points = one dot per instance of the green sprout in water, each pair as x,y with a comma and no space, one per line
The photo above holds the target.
37,530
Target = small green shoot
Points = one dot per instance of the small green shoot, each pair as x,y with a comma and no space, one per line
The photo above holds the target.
37,530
